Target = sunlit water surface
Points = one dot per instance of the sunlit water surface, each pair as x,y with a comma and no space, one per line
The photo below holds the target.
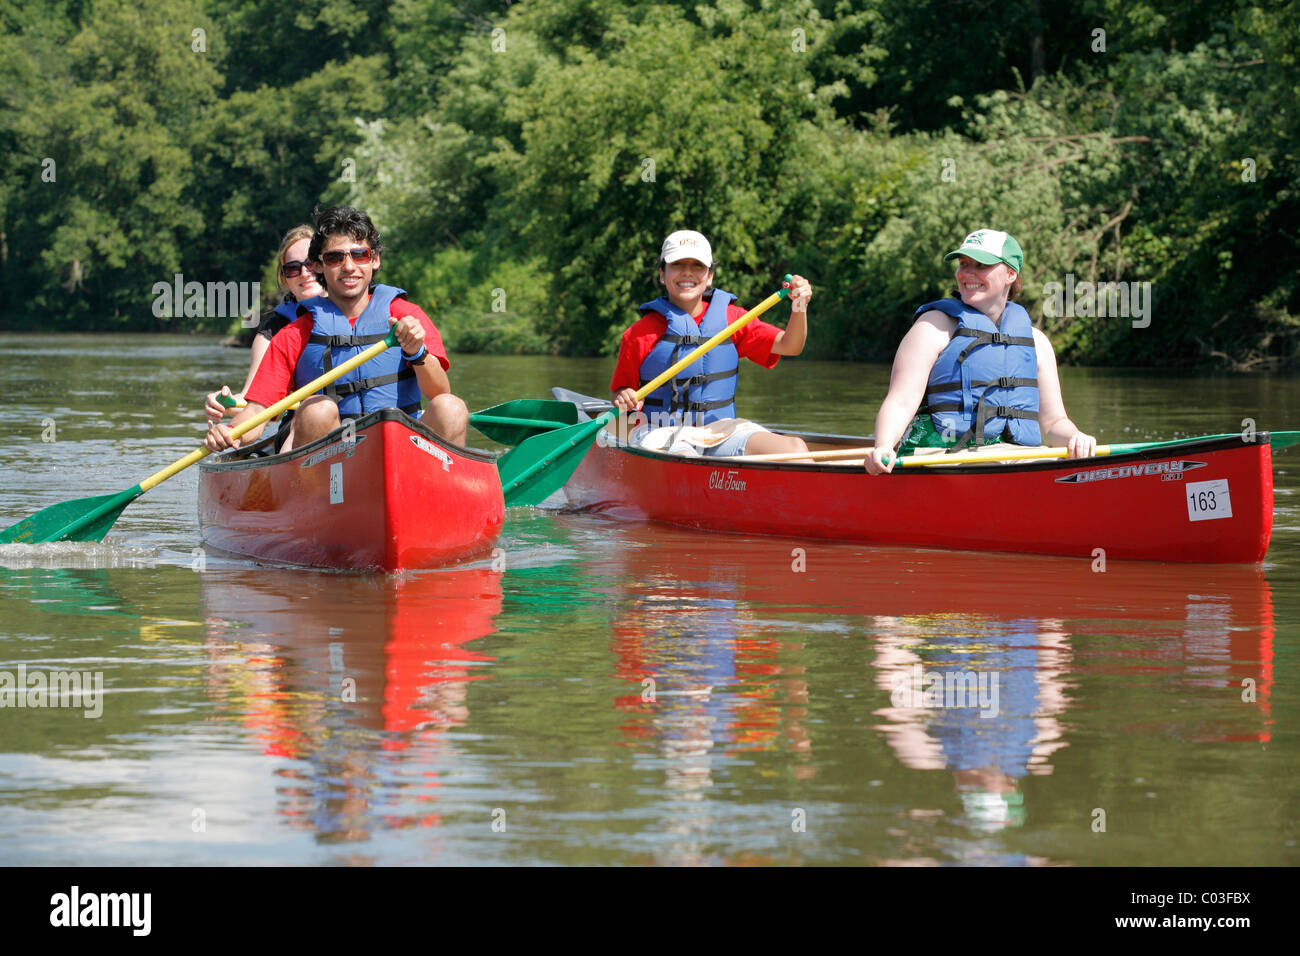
628,694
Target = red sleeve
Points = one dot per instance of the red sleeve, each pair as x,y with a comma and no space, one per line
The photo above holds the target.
638,341
754,341
432,340
274,378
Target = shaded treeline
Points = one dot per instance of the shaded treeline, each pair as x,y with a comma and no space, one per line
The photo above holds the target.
525,159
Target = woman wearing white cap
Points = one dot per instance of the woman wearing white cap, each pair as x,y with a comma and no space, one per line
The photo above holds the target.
983,371
704,394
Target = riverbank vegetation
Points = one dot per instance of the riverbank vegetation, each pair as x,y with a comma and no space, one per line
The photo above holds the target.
524,160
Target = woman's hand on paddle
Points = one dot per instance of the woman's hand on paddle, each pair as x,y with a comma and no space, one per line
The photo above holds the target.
625,401
1082,446
880,461
409,332
213,408
800,293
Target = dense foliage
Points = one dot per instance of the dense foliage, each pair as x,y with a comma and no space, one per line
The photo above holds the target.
525,159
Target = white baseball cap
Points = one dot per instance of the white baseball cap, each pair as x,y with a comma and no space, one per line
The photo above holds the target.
685,244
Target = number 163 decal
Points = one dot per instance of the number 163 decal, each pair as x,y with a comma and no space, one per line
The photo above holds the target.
1207,500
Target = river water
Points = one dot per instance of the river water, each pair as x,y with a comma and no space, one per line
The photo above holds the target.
628,694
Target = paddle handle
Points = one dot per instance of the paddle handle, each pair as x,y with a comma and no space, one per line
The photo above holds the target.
231,402
726,333
267,414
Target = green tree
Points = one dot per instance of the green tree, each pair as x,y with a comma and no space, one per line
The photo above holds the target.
111,109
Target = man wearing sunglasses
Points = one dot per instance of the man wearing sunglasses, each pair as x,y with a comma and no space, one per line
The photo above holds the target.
352,315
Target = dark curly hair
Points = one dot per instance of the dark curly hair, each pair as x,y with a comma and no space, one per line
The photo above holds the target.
353,223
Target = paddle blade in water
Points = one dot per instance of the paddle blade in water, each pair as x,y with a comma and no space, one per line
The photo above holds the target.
83,519
513,422
540,466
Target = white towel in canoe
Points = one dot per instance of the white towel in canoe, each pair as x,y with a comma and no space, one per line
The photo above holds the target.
688,440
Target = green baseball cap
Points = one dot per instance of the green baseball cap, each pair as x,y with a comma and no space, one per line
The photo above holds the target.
989,246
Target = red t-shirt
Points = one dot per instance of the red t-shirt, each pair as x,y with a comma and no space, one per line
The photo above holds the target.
274,378
753,341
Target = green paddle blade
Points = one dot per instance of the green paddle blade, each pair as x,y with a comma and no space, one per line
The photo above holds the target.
82,519
1283,439
513,422
540,466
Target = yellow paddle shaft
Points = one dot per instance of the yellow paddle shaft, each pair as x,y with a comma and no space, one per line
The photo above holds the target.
726,333
1011,453
267,414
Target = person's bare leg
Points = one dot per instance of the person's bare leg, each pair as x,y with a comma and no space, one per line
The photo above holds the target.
770,443
315,417
449,417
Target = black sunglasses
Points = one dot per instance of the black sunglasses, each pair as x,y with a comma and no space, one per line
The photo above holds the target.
335,256
292,268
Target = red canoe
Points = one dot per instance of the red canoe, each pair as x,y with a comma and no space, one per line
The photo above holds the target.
1148,505
387,495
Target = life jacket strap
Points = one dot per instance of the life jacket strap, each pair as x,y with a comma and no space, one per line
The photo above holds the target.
989,338
1005,381
346,341
690,406
983,412
701,379
691,340
337,390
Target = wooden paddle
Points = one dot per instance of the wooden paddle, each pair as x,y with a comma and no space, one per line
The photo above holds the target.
1008,452
88,519
541,465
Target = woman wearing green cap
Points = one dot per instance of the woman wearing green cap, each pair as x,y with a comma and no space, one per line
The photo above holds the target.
983,372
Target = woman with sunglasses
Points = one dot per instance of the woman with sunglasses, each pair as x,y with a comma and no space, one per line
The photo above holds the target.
295,279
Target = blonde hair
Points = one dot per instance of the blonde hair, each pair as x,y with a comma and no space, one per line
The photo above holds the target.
290,237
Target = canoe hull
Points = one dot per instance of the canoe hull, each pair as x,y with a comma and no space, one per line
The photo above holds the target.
397,497
1206,501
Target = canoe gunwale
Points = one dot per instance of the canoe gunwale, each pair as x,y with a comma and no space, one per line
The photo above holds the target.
1191,446
1194,444
246,458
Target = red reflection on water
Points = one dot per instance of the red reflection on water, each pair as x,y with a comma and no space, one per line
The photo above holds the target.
319,660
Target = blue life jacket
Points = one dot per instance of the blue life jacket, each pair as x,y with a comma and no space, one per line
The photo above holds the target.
985,382
384,382
706,389
288,309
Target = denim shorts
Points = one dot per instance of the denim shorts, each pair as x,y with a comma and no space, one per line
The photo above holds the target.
736,441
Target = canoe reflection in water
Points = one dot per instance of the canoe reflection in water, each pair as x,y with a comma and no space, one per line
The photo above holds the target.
318,679
975,661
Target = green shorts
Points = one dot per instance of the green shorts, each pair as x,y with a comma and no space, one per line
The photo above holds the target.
921,433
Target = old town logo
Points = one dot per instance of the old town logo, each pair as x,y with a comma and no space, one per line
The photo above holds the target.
726,480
